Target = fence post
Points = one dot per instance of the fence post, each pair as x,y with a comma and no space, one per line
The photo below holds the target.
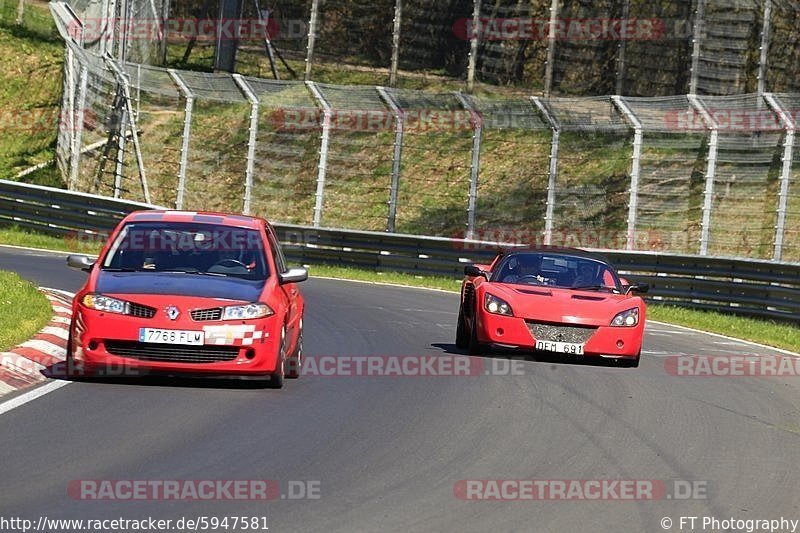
474,34
622,48
187,132
699,19
711,169
119,169
765,36
312,38
553,170
636,162
323,151
397,158
398,18
475,165
78,125
251,141
551,48
122,79
783,195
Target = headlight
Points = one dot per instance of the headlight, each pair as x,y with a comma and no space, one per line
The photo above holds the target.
626,319
497,306
246,312
98,302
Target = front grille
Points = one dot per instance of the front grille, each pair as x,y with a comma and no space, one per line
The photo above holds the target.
202,315
172,352
560,333
141,311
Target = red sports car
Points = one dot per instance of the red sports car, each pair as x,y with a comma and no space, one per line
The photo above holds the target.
184,293
566,301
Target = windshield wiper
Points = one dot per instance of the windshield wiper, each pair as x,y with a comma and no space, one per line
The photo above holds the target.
112,269
192,271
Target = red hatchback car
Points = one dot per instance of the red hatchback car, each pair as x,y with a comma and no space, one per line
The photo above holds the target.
183,293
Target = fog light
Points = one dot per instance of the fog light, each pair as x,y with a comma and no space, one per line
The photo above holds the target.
250,353
500,332
93,345
620,344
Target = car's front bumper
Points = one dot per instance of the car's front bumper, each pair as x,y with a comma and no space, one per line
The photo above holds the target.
517,332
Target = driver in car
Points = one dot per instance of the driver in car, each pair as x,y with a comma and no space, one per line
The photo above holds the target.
525,272
586,276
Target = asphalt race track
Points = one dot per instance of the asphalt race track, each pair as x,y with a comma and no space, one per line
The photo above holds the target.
387,451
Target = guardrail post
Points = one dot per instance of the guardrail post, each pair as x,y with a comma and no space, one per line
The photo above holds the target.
553,170
475,165
551,48
711,169
788,147
765,36
323,151
312,38
636,161
75,160
187,133
122,79
473,44
398,19
251,142
699,20
397,158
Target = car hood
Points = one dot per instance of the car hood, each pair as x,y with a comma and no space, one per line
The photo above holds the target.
549,304
179,285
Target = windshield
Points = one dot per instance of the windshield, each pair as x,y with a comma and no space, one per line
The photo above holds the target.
556,270
187,248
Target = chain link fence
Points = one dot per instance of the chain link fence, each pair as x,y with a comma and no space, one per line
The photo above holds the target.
566,47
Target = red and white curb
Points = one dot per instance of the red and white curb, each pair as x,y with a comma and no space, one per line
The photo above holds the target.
22,367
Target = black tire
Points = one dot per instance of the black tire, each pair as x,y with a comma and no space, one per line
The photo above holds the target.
462,335
631,363
278,378
475,347
294,365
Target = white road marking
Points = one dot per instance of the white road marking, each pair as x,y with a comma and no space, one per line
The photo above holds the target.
696,331
61,333
45,347
30,396
38,392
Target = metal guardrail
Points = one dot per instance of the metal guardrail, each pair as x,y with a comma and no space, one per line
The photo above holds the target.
741,286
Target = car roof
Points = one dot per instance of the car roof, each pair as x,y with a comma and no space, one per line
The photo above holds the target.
197,217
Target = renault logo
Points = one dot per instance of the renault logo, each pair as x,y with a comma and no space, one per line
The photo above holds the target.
172,312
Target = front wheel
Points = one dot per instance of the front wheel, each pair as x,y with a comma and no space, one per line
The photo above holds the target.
475,347
279,376
295,363
462,335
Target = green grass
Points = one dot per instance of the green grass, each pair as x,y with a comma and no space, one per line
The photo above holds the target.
31,56
23,310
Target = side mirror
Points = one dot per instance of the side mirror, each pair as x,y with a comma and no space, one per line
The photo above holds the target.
473,271
640,288
294,275
81,262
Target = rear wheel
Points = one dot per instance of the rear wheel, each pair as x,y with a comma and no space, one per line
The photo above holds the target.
462,335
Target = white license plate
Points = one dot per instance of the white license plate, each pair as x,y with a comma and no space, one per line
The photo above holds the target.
171,336
560,347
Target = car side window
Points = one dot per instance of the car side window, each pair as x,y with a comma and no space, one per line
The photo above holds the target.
276,251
